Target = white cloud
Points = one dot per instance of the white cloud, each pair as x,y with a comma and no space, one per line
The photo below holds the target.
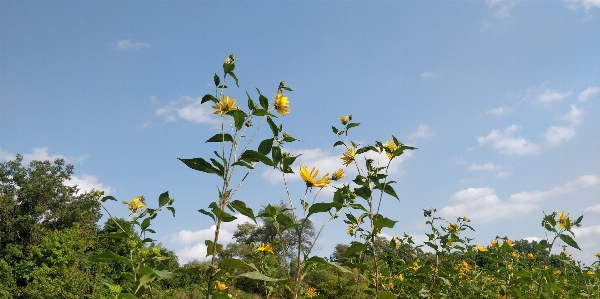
586,231
88,183
503,174
573,117
127,44
549,96
197,238
587,4
41,154
586,94
482,204
531,239
500,111
487,166
556,135
592,210
188,109
505,143
502,7
6,156
423,132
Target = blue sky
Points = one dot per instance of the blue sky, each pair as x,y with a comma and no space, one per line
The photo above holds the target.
502,98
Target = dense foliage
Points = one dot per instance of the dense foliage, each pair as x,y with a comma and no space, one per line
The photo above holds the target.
52,247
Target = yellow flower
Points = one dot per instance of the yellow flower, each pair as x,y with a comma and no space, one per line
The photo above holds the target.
344,119
281,104
225,105
351,229
562,221
349,156
338,175
530,256
400,277
390,286
590,272
221,286
136,204
311,292
415,266
228,60
509,242
566,253
481,249
265,248
494,244
514,255
556,272
310,178
465,218
501,296
391,145
229,295
452,228
465,267
597,254
449,242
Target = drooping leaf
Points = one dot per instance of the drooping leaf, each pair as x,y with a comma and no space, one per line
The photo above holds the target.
239,118
200,165
264,102
352,125
258,276
234,78
387,188
145,224
567,239
320,207
105,198
172,209
254,156
241,207
163,199
338,143
207,213
217,80
273,127
220,138
242,163
224,216
207,98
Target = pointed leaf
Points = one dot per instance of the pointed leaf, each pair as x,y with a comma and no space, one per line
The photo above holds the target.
567,239
273,127
210,247
165,274
355,247
254,156
220,138
207,213
108,256
207,98
234,78
217,80
258,276
105,198
241,207
320,207
264,102
320,260
231,263
265,146
200,165
163,199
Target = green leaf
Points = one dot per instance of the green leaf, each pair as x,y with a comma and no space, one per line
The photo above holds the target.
105,198
234,78
115,235
543,245
165,274
320,260
273,127
163,199
352,125
567,239
88,205
217,295
250,102
262,112
265,146
264,102
258,276
380,222
242,163
239,118
220,138
207,213
254,156
231,263
241,207
126,296
172,209
145,224
355,247
335,130
338,143
210,247
218,165
217,80
363,192
389,190
224,216
320,207
200,165
207,98
108,256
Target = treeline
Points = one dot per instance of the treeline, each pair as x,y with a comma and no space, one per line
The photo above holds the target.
49,231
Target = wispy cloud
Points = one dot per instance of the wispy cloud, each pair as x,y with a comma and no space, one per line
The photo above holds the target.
40,154
500,111
555,135
87,183
482,204
501,7
127,44
544,95
592,210
189,109
487,166
423,132
588,93
505,143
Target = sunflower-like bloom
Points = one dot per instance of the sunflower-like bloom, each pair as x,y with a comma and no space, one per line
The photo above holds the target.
494,244
221,286
562,220
530,256
509,242
480,248
514,255
265,248
399,277
449,242
281,104
597,255
391,145
465,267
415,266
311,292
349,156
465,219
310,178
452,228
351,229
389,286
590,272
136,204
338,175
344,119
225,105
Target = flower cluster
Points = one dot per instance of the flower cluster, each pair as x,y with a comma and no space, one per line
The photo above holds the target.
136,205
